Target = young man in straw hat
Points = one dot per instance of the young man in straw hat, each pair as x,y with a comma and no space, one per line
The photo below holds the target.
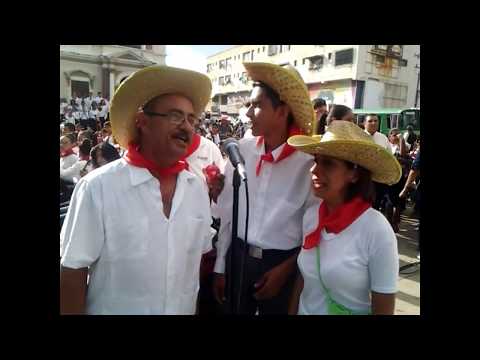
138,226
279,192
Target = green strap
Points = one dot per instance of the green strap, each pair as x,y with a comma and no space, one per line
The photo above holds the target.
327,292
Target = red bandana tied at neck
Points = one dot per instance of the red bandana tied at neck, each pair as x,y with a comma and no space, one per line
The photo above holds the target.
338,220
133,157
192,148
66,153
286,151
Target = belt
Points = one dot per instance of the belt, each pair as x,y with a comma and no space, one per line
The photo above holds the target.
259,253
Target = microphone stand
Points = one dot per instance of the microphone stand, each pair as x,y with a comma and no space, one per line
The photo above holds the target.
236,185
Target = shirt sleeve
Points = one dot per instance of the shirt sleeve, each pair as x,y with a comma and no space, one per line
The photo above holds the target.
383,259
225,203
72,171
82,234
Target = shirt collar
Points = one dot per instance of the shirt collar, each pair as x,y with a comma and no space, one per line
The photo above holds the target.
275,153
140,175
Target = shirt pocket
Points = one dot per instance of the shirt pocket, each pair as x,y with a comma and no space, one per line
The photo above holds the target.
126,238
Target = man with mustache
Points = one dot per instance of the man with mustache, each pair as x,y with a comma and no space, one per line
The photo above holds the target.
138,226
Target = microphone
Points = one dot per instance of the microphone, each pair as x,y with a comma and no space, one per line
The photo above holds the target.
233,151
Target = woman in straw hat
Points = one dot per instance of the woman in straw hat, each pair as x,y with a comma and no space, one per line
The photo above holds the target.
349,260
139,225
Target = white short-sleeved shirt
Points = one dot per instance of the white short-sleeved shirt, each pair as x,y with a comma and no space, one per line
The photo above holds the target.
380,139
73,172
68,161
278,199
205,155
70,119
360,259
140,262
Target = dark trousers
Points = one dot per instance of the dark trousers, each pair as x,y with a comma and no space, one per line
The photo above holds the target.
254,269
380,192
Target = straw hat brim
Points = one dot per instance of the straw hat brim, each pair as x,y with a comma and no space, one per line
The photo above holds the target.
148,83
381,163
291,89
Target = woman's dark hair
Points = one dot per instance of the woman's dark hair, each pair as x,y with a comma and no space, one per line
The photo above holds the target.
85,147
318,102
364,186
337,113
321,125
70,126
108,152
274,99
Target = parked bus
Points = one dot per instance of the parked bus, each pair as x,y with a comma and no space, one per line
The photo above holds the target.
391,118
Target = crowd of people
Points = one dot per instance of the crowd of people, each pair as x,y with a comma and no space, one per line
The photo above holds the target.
151,238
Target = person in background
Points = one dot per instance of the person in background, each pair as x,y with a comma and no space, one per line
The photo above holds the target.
225,128
102,113
410,137
349,259
371,128
68,128
73,173
216,135
107,133
399,150
67,155
320,108
339,112
69,117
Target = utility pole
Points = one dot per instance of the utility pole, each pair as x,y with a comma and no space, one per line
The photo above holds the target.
418,80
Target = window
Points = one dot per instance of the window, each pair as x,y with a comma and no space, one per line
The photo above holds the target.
228,63
134,46
344,57
245,56
222,64
380,59
402,62
272,50
209,67
149,47
329,56
258,51
316,62
303,61
280,49
221,81
295,63
228,80
288,47
263,49
253,52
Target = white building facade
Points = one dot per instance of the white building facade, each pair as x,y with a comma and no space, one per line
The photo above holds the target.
359,76
100,68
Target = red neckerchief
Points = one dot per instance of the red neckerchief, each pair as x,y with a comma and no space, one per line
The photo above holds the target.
338,220
286,151
192,148
133,157
66,153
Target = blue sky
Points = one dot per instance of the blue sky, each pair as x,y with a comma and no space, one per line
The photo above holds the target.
193,57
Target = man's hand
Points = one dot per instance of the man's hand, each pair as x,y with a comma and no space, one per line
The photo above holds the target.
215,186
272,281
219,287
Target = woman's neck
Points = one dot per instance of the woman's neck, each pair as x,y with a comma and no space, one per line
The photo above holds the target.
335,203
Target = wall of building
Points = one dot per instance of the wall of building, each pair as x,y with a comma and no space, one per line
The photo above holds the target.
92,69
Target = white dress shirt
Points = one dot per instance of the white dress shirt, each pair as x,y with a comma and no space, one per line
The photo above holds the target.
205,155
361,258
72,173
68,161
140,262
278,198
380,139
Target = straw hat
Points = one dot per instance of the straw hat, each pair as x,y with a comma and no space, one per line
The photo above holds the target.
148,83
346,141
290,87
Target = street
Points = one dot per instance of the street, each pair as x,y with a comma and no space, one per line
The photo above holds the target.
408,295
